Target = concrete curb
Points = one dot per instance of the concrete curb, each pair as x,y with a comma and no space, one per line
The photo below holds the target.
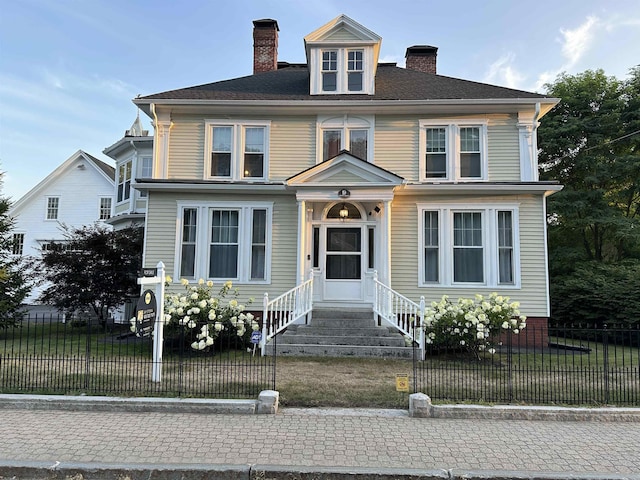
267,403
420,406
88,471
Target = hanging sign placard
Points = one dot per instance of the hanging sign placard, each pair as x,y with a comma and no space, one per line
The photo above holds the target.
146,313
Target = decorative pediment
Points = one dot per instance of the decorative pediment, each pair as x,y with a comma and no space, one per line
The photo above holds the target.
345,170
342,29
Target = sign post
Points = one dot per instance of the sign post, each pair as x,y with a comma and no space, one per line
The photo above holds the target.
157,279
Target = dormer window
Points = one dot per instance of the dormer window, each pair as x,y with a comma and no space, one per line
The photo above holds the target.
329,70
342,71
354,70
342,56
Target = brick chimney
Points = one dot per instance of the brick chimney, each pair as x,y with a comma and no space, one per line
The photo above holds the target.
265,45
422,58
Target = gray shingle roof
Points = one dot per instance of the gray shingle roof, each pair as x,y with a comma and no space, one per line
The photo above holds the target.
392,83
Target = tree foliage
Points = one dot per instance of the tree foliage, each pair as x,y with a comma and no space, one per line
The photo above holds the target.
590,143
586,146
14,285
94,268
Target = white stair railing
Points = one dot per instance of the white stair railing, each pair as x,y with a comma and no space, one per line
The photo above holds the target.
400,312
284,310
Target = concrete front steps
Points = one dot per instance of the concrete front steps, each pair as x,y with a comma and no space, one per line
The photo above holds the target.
341,333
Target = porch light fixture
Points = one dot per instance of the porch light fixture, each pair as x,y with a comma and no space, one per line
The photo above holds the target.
344,212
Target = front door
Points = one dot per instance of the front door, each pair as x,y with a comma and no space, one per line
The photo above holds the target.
343,263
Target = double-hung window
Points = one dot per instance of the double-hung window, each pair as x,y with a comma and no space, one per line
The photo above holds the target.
345,133
453,151
342,71
329,70
237,150
468,245
53,208
104,208
124,182
225,241
17,244
146,171
355,70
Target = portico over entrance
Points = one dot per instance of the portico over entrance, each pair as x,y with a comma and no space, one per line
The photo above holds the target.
344,218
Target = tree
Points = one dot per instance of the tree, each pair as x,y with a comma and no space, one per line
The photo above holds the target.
94,267
591,144
584,145
14,286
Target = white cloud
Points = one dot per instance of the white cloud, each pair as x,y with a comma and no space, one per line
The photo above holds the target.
502,72
576,42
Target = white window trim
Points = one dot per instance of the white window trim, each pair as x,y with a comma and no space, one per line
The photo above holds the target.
342,84
100,208
13,238
237,148
131,180
452,127
489,241
345,123
203,237
46,209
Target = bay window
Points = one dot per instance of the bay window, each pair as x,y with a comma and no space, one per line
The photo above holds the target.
453,151
124,182
468,245
237,150
225,241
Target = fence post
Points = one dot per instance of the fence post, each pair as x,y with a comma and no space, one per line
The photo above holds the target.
605,347
263,340
421,325
510,363
158,334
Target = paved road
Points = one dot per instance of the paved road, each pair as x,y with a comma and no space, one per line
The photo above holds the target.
348,438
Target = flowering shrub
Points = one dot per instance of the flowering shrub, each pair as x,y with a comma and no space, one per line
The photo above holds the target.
204,314
471,324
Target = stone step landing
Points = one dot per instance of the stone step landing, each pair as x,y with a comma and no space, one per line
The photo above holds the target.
341,333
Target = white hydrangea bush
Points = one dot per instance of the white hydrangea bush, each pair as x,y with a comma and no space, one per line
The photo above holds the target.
471,324
204,314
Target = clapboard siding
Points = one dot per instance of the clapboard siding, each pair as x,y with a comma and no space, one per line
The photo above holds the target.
292,146
186,147
504,149
396,145
161,237
404,244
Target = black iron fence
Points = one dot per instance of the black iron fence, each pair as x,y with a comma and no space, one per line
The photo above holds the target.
48,355
564,365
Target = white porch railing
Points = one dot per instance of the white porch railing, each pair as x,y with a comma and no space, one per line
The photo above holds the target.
284,310
402,313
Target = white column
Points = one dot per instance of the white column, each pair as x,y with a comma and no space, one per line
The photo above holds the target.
302,240
384,272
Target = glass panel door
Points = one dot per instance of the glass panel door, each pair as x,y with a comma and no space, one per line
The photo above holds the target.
344,254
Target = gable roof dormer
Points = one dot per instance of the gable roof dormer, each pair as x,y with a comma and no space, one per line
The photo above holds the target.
342,57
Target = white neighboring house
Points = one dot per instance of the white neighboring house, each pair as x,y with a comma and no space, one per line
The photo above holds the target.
79,192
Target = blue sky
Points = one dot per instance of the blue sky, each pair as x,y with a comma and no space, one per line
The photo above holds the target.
69,68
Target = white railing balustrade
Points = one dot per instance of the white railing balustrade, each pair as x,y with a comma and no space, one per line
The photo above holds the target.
286,309
400,312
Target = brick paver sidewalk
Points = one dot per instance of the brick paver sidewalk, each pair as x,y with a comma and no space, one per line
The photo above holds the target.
371,439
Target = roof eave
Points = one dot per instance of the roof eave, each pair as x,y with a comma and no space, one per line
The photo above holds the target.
407,106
